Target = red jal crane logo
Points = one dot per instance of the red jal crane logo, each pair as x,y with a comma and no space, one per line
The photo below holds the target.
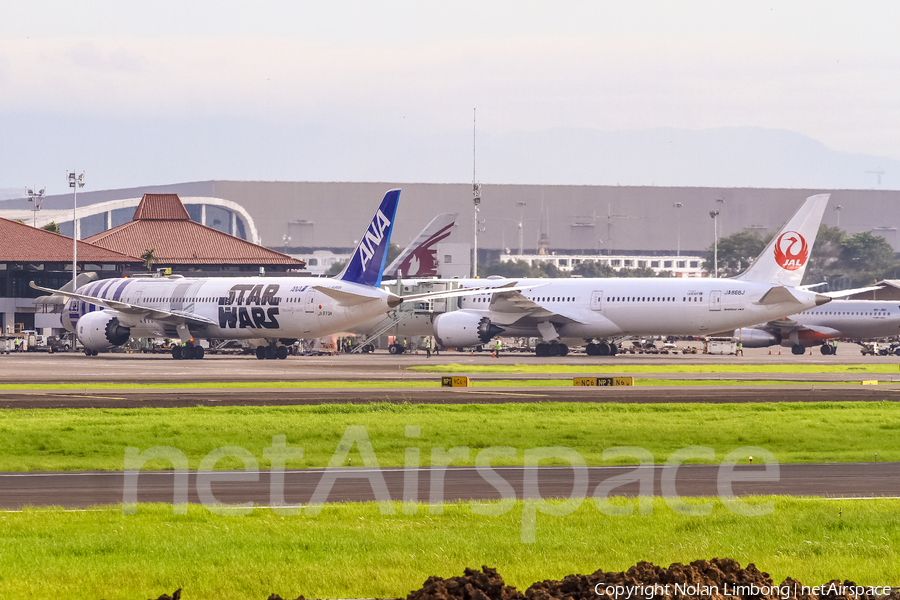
785,254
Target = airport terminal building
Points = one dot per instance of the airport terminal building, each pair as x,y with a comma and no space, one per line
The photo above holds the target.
303,217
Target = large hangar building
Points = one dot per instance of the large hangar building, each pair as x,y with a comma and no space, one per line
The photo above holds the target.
306,216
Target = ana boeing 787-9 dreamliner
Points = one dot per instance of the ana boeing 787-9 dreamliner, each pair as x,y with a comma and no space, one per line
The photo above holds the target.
273,310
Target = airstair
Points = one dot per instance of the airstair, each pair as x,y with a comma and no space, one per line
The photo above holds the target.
395,317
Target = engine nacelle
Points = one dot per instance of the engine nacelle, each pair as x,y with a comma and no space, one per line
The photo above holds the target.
464,328
756,338
100,330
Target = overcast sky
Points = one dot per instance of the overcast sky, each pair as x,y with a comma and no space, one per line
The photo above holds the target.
827,70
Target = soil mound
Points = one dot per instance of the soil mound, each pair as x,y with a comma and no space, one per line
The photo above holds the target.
486,584
715,579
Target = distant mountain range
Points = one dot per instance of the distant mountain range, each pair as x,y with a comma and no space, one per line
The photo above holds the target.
134,152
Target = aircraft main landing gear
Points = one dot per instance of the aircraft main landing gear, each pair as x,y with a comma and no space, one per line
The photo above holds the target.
271,352
187,352
545,349
601,349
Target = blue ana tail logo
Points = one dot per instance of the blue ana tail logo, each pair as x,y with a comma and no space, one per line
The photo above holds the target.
374,235
367,264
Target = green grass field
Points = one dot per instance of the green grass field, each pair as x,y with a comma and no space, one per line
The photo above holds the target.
95,439
626,368
353,551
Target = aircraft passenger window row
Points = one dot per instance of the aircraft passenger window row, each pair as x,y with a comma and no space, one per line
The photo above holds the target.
553,299
642,299
692,299
845,313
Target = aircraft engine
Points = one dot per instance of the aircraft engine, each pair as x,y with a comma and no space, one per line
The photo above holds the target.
464,328
756,338
100,330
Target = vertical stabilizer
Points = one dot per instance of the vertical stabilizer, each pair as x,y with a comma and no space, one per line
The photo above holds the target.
419,259
784,260
367,262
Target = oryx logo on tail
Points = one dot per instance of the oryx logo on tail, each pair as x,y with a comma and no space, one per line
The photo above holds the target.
788,254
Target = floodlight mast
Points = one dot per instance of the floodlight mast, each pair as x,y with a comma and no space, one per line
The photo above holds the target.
37,199
75,183
476,199
715,217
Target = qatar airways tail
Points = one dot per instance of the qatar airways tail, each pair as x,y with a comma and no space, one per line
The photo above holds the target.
419,258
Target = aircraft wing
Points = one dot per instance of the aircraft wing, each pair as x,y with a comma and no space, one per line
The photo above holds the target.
134,310
787,325
845,293
515,307
474,291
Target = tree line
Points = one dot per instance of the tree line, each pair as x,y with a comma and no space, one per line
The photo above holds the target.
841,260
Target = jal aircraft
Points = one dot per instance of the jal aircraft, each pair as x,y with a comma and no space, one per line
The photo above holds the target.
851,319
105,314
601,311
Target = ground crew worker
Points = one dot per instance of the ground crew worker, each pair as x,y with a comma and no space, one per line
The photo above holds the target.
497,349
428,347
741,348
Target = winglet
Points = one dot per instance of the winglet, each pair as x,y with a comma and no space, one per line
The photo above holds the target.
784,259
366,266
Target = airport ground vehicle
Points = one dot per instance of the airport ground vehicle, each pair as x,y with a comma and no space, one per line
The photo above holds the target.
62,343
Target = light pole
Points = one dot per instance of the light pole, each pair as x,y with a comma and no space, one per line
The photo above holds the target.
287,240
678,205
521,205
37,199
838,208
476,199
715,217
75,183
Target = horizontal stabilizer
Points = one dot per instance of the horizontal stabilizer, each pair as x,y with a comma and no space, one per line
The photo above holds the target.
777,295
344,298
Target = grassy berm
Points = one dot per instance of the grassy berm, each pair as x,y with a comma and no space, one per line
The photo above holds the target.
716,579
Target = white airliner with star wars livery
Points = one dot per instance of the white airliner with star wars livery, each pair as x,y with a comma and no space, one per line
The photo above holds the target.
600,310
105,314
